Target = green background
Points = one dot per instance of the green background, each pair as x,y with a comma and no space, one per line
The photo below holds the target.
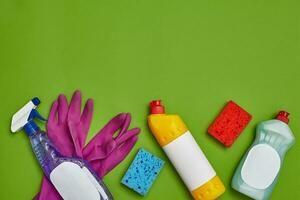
194,55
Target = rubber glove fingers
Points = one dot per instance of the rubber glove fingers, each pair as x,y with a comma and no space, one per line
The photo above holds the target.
86,118
102,151
125,142
57,127
112,150
121,152
115,124
59,111
52,120
75,107
103,142
124,124
78,123
62,109
117,156
99,152
127,135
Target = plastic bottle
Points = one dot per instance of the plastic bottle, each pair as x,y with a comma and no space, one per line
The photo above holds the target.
72,177
258,171
177,142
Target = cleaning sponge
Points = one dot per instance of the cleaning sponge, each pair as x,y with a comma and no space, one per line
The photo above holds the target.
142,172
229,124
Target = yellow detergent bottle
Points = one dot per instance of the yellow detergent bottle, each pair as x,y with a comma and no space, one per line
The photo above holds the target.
181,148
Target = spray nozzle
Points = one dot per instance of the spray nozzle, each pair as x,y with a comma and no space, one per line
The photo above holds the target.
24,117
34,113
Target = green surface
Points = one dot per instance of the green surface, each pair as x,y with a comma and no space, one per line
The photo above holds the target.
195,55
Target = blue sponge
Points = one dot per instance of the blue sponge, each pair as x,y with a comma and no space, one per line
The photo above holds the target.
142,172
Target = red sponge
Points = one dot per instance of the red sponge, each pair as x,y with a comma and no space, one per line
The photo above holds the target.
229,124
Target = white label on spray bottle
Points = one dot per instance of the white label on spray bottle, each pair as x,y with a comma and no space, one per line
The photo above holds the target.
189,161
72,183
261,166
95,182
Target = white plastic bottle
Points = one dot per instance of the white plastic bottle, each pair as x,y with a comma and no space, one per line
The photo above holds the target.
258,171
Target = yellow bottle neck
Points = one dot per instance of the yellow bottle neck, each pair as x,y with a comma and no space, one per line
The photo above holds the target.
166,128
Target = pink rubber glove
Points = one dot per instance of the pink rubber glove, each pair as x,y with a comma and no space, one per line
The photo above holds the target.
68,130
104,152
109,150
59,134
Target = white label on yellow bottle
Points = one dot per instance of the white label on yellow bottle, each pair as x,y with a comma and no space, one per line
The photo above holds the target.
261,166
189,161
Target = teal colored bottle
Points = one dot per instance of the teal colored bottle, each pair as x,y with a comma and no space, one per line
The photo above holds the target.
258,171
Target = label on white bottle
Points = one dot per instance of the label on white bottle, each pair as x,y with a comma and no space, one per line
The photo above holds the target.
261,166
189,161
95,183
72,182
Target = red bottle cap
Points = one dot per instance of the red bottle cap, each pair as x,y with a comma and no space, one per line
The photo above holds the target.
156,107
283,116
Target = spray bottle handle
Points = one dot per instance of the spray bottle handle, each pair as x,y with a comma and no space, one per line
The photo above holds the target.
34,113
25,115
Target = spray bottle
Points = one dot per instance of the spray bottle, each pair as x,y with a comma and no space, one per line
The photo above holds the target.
178,143
258,171
72,177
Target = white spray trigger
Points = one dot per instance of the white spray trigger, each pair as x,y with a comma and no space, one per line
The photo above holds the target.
21,118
